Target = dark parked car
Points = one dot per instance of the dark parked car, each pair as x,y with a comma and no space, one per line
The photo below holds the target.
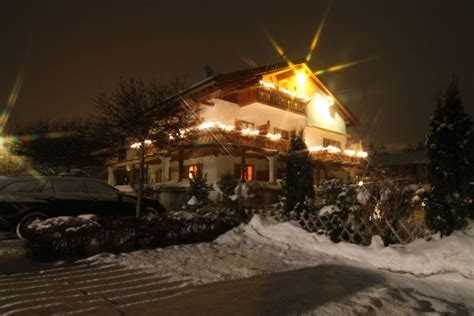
24,199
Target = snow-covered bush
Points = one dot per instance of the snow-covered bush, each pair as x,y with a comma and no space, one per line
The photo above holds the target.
339,203
353,212
118,233
65,235
88,234
181,227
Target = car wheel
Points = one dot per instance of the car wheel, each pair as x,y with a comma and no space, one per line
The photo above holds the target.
150,211
27,220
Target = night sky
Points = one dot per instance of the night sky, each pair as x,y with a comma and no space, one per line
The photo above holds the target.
68,52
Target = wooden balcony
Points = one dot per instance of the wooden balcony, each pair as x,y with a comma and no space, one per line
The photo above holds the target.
261,143
269,97
237,140
214,140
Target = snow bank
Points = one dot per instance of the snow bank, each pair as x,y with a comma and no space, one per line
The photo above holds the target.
453,254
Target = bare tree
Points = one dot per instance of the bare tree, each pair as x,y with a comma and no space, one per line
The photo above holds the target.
139,111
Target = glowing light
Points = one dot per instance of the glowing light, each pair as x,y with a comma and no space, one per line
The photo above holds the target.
138,145
350,152
360,183
290,93
301,80
330,149
272,136
31,137
11,101
219,125
250,132
343,66
329,100
322,105
336,150
353,153
279,50
315,40
267,84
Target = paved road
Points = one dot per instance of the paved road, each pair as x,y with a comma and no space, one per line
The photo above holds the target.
108,288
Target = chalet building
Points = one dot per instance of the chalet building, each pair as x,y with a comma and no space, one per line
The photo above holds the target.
248,118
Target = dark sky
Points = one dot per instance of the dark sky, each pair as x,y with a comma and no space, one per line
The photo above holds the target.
69,50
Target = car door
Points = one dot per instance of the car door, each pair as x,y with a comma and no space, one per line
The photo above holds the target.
18,197
107,200
71,197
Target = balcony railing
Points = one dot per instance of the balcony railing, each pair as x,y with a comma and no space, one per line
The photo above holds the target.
269,97
280,100
237,139
235,142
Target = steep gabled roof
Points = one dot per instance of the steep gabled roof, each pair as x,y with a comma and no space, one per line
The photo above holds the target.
220,80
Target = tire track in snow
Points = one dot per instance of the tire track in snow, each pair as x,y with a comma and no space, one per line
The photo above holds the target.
50,270
84,288
81,275
43,275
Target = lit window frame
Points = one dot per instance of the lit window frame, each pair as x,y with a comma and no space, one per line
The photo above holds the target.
249,172
193,170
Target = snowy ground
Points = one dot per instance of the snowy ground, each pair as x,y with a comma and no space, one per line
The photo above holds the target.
264,267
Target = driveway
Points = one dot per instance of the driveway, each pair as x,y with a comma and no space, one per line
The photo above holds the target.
109,288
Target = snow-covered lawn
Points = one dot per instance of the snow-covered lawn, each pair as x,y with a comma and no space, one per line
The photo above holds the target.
436,276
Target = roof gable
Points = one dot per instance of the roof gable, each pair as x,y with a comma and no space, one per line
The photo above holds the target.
221,84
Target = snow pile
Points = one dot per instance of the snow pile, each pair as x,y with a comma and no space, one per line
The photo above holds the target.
328,210
265,246
453,254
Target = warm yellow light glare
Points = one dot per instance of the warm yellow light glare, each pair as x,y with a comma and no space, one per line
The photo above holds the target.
315,40
300,79
322,107
330,100
335,150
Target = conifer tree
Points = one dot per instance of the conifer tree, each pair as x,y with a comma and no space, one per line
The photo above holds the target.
450,167
298,181
198,187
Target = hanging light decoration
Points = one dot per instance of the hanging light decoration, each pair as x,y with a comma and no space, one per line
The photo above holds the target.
250,132
138,145
292,94
272,136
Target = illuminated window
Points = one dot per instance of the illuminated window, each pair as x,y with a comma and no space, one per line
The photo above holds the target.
249,172
192,171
